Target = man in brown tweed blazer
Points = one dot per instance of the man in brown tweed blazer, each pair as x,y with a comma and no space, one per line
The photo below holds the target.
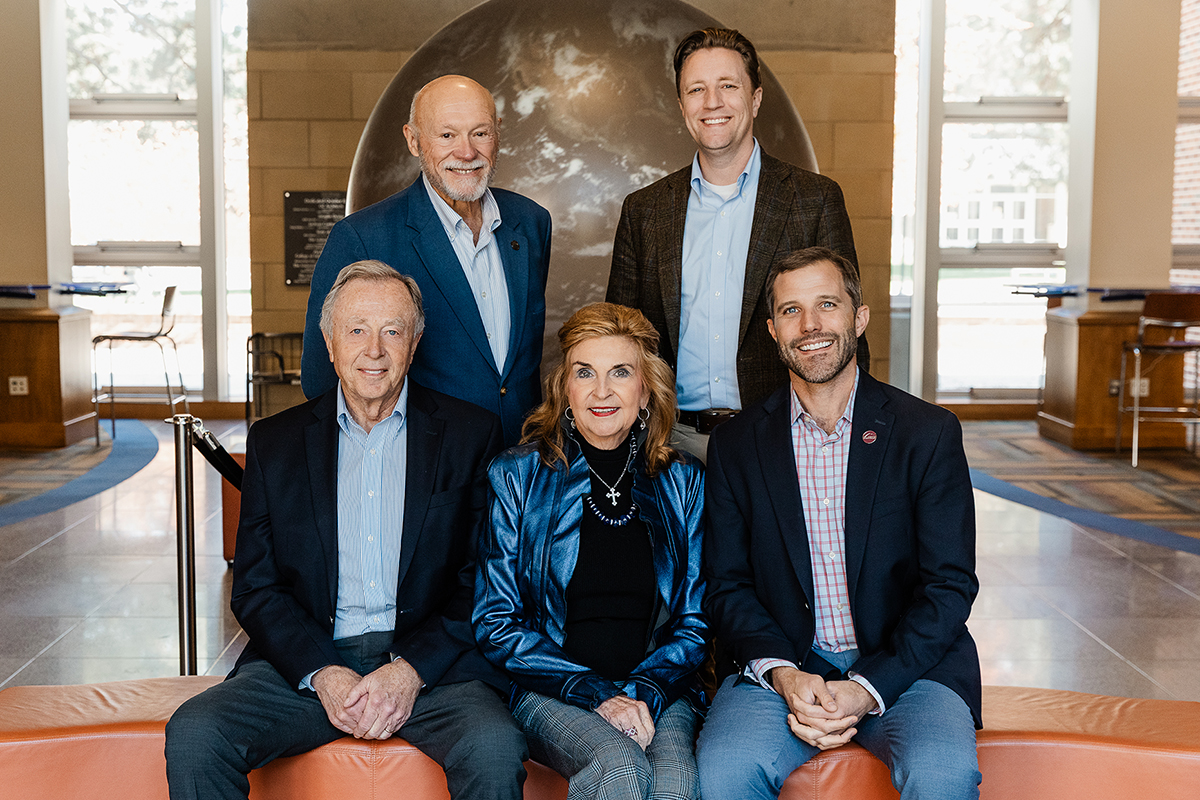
692,250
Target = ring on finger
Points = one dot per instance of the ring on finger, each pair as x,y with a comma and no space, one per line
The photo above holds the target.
630,732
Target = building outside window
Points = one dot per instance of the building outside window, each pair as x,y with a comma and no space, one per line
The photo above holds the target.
1001,174
1003,155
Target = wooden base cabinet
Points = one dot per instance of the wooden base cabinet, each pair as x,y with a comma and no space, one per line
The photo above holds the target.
1083,360
51,347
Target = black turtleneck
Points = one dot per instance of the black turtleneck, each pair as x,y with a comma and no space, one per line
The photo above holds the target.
611,594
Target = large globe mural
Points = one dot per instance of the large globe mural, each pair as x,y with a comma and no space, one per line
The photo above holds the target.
586,94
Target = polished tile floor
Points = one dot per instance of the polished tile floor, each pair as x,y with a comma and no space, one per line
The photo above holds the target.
88,594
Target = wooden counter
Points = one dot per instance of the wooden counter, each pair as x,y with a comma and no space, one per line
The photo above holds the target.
1083,355
52,347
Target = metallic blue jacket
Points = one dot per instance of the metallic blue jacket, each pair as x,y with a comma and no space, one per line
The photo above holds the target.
527,557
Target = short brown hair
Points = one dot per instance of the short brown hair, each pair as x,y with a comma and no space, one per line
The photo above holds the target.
799,259
544,425
718,37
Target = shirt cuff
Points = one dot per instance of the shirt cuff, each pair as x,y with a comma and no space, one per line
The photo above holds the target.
866,684
306,681
757,670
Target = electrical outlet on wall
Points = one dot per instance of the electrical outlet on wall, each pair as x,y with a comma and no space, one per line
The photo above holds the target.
18,384
1140,388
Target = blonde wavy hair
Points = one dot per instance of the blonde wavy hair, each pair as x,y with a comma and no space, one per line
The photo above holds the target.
544,425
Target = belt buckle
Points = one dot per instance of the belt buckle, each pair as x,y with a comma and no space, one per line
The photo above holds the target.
708,419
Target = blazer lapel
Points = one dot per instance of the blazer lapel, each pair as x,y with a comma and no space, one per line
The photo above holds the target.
863,470
321,450
514,254
771,209
672,215
437,255
773,436
423,450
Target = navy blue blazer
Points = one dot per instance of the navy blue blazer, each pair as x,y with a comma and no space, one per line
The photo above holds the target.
285,567
454,357
910,543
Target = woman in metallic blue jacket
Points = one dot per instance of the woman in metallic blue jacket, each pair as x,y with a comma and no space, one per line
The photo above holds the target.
589,587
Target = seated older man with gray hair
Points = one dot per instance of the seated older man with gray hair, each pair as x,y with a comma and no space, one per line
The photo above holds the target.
354,571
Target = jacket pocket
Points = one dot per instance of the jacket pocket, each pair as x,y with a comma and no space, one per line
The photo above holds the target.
889,506
459,494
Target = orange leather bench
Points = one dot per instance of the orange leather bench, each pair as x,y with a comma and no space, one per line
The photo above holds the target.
105,741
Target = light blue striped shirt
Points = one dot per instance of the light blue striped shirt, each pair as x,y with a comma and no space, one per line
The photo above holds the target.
716,243
371,472
482,265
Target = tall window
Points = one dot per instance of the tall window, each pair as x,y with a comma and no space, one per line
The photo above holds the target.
1001,183
134,176
1185,223
1185,229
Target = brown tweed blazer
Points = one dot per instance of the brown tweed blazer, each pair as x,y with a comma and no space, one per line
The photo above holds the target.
795,209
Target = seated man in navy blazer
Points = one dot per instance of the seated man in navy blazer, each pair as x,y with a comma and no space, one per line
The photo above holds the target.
354,572
479,255
840,561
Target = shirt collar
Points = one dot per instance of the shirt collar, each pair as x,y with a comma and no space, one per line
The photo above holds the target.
748,172
347,423
847,417
450,218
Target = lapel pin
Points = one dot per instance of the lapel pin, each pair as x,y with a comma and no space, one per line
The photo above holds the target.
869,437
516,245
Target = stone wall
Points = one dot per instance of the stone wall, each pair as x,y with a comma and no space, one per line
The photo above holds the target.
307,109
393,25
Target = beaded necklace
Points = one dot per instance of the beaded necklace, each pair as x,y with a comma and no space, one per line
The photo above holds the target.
613,493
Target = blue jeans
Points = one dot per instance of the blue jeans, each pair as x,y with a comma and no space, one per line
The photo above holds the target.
926,738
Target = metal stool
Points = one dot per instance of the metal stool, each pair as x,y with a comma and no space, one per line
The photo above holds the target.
165,326
1162,329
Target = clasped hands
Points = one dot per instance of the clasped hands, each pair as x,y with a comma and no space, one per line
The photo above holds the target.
371,707
822,713
631,717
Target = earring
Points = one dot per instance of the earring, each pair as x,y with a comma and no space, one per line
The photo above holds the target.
643,420
570,417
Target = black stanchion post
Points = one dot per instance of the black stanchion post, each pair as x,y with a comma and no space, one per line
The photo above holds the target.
185,535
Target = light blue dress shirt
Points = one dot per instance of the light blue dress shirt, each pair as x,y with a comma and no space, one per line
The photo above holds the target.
482,265
716,243
371,472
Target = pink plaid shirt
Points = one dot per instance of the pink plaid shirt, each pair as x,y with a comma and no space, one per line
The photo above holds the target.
821,461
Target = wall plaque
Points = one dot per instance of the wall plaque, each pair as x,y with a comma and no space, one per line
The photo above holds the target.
307,220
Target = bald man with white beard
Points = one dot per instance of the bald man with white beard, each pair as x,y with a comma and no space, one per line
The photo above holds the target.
480,255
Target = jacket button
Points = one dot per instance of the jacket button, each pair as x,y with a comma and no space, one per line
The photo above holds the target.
503,391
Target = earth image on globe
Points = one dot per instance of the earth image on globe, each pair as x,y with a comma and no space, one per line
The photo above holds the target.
586,97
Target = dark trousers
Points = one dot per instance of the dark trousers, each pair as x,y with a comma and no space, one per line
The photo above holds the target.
217,737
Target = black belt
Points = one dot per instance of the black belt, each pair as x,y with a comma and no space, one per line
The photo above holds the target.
704,421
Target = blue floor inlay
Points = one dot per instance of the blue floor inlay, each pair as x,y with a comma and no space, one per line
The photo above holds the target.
1089,519
133,448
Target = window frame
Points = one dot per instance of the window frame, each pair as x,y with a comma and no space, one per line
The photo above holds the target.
933,114
207,112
